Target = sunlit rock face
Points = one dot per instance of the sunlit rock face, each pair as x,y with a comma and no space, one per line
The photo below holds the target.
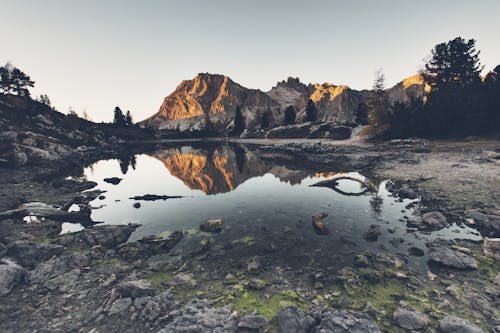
222,169
216,97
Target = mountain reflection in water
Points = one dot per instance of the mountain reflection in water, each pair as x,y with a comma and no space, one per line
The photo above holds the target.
266,201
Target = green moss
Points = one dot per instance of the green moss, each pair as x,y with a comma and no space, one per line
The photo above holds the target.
247,240
250,301
159,278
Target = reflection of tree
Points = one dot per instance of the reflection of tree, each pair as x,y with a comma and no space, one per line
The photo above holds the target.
240,157
376,204
126,161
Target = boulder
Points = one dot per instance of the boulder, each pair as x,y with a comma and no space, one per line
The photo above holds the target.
104,235
183,279
28,253
120,305
212,225
434,220
293,320
252,323
10,275
487,222
56,266
289,132
42,210
451,324
451,258
410,320
135,289
345,321
491,247
199,316
64,282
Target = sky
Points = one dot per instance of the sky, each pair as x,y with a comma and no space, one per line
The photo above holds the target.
93,55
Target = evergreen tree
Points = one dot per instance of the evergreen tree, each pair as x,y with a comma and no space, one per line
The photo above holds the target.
44,99
378,115
119,118
128,119
239,122
12,79
311,111
290,116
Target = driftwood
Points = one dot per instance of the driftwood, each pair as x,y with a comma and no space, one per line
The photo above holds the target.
318,225
154,197
333,183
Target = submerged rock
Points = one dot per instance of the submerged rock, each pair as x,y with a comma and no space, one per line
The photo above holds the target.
10,275
372,233
410,320
294,320
434,220
451,258
451,324
113,180
212,225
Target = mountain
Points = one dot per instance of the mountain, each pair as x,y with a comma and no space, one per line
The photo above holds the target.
216,97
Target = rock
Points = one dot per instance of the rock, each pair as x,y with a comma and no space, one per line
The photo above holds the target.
28,253
55,267
415,251
183,279
253,265
289,132
344,321
198,316
104,235
487,223
451,258
372,233
136,205
113,180
10,275
135,289
120,305
434,220
64,282
154,197
451,324
212,225
151,311
41,210
293,320
256,284
252,323
410,320
491,247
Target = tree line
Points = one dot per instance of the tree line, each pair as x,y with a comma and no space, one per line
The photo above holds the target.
458,101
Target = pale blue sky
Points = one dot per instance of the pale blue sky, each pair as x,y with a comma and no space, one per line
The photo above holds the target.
94,55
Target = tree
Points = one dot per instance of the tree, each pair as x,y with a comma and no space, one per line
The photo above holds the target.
378,115
72,112
265,120
12,79
128,119
239,122
290,115
454,76
311,111
44,99
119,118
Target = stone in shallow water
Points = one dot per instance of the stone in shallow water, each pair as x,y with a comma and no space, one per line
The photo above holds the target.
451,324
212,225
434,220
410,320
113,180
452,258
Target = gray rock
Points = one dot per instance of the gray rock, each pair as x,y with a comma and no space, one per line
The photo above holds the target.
343,321
198,316
40,209
293,320
28,253
151,311
113,180
183,279
55,267
212,225
491,247
489,224
434,220
120,305
10,275
135,289
64,282
451,258
104,235
140,303
410,320
451,324
252,323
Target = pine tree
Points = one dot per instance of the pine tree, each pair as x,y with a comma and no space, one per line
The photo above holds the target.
378,115
119,118
311,111
128,119
290,115
12,79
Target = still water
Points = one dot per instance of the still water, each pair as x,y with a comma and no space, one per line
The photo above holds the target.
266,205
